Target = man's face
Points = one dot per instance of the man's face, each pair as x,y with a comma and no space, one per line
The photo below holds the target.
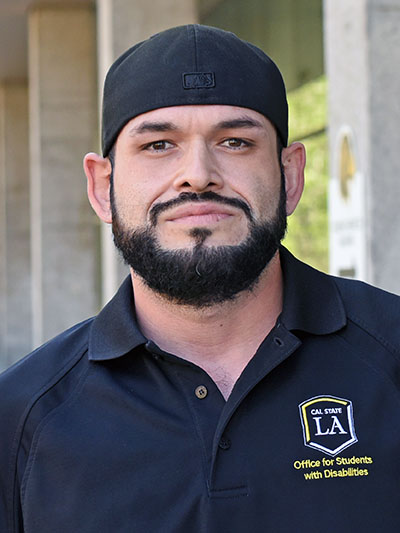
198,208
228,150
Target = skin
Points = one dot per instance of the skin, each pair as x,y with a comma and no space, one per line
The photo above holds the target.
231,151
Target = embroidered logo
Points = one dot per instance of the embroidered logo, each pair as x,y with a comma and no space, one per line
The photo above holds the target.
327,423
198,80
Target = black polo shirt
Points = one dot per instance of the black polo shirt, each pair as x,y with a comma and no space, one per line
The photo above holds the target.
101,431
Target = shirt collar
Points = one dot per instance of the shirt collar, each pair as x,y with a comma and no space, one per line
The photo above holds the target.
114,331
311,303
311,300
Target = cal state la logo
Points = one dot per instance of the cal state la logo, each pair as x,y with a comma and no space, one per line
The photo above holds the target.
328,424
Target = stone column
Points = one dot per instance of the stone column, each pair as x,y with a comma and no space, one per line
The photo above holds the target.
63,127
362,45
15,282
121,24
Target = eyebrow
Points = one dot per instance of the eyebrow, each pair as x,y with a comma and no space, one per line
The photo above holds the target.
244,122
234,123
145,127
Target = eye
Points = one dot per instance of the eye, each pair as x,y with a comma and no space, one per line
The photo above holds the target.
158,146
236,143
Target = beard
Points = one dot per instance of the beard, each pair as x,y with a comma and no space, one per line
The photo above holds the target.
203,275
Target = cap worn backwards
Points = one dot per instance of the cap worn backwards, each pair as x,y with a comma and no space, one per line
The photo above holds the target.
192,65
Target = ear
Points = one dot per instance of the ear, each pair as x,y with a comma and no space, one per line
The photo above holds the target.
293,161
98,171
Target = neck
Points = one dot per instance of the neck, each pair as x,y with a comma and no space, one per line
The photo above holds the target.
222,338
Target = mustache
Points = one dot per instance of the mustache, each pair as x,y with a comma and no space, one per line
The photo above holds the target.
186,197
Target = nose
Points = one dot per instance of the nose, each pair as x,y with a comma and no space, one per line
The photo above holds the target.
198,170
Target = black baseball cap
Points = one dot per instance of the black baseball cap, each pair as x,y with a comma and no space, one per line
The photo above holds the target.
192,65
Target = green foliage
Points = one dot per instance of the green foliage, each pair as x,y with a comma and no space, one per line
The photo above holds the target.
307,235
307,109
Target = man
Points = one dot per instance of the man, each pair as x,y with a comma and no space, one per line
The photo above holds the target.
227,387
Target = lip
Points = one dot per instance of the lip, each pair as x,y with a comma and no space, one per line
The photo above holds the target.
203,212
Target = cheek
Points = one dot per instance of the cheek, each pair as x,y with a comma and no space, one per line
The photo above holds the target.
263,197
134,199
258,181
268,191
130,206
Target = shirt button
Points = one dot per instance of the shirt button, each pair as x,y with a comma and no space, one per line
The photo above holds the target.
201,392
224,444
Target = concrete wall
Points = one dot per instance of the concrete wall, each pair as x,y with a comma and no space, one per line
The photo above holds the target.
15,271
63,123
362,53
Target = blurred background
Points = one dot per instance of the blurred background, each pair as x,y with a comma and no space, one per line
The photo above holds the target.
340,61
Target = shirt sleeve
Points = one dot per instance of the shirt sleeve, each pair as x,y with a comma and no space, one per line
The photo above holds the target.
10,419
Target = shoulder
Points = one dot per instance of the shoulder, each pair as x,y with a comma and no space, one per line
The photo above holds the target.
374,310
34,374
22,387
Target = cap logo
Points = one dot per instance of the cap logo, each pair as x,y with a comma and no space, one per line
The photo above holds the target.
198,80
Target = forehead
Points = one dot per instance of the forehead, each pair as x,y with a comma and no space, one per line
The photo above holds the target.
205,116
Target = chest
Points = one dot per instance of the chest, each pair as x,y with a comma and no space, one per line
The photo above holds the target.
159,449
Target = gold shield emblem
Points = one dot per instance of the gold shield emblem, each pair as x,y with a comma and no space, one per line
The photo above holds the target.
328,424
